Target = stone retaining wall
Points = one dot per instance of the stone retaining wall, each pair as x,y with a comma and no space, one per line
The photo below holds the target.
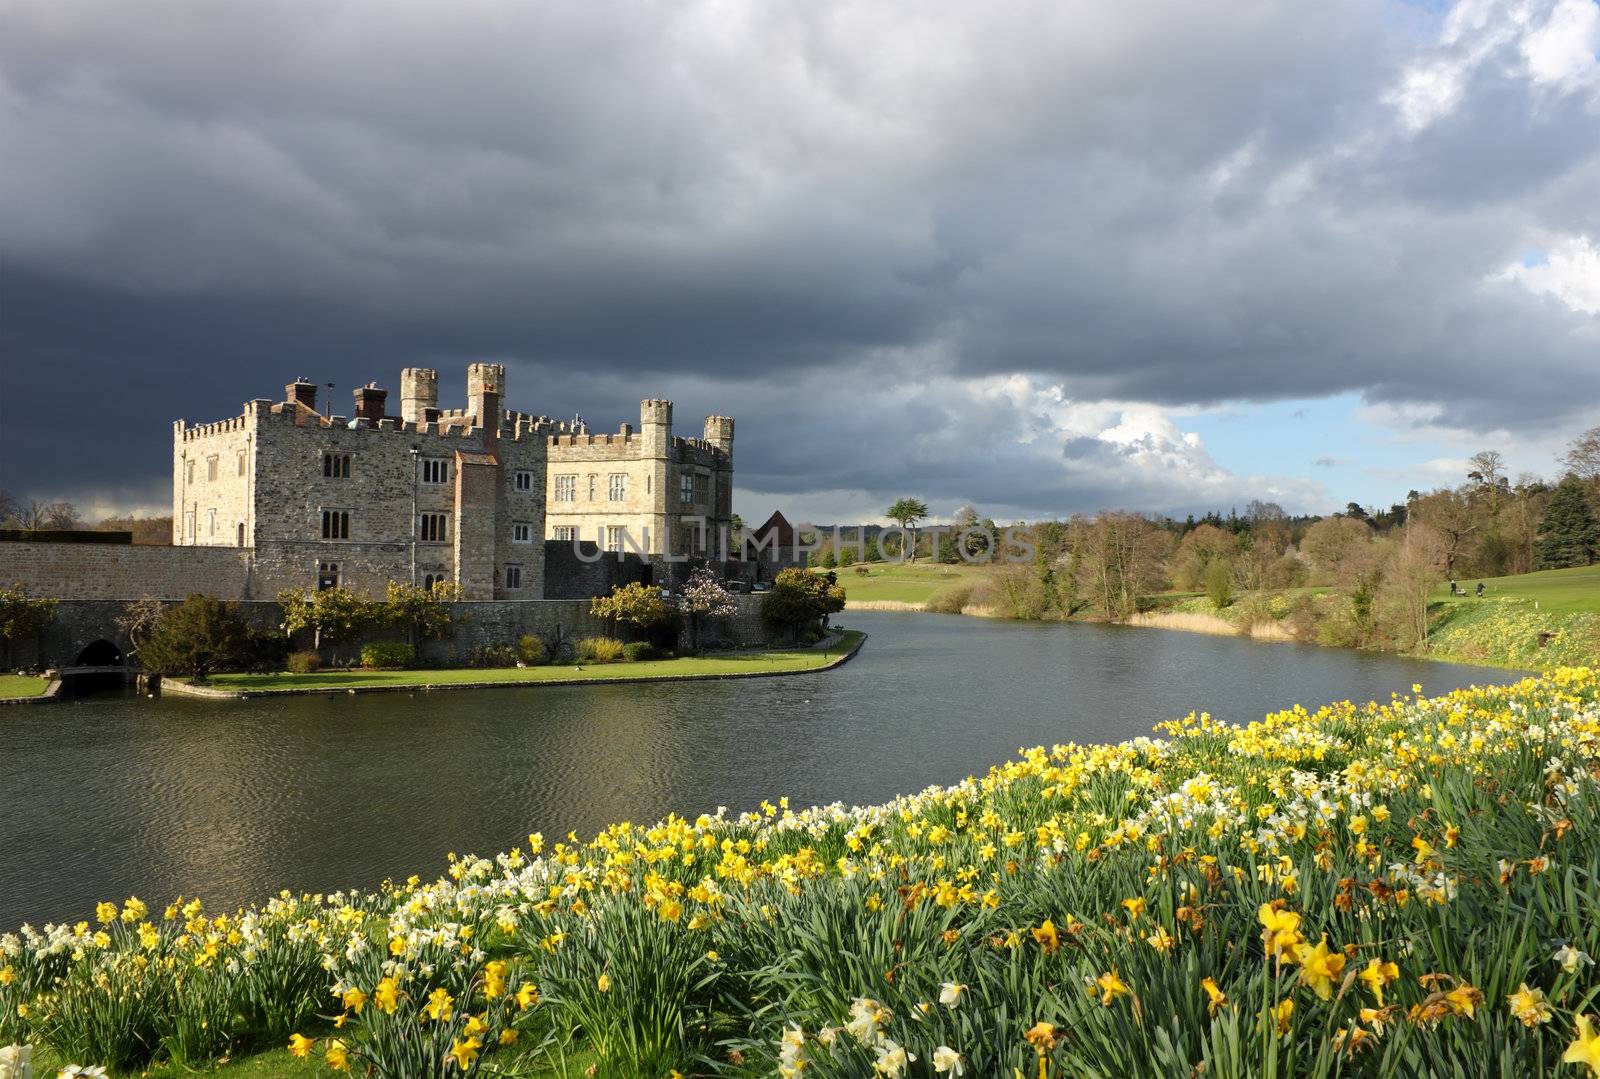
78,623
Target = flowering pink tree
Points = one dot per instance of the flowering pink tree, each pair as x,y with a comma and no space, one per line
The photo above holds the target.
704,597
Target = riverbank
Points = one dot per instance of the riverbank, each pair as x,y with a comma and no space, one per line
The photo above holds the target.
964,910
754,664
1536,621
26,689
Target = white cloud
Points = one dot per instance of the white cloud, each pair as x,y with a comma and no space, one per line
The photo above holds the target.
1570,272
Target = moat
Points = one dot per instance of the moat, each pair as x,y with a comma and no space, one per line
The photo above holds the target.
111,796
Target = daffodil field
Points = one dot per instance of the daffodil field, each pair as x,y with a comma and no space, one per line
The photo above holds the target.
1400,889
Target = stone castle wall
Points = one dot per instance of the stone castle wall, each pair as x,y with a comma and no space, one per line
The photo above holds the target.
101,571
79,623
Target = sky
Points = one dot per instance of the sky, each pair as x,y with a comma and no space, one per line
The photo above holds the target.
1037,257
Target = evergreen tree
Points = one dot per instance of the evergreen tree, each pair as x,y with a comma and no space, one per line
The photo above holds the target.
1568,534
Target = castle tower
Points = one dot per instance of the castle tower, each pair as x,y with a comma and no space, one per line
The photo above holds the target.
655,433
486,387
419,392
719,432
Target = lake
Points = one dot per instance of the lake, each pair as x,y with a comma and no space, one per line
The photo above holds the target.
113,796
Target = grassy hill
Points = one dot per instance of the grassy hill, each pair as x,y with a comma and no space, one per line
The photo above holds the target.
901,582
1559,591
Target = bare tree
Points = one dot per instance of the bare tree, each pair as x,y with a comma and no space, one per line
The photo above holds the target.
1486,467
1124,558
1450,514
62,515
8,506
1583,456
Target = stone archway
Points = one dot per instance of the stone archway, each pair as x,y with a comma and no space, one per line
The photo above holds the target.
100,653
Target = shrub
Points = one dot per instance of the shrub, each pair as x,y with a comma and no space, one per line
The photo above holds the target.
196,637
599,650
492,655
531,650
952,600
799,599
304,662
636,651
1219,584
392,654
264,651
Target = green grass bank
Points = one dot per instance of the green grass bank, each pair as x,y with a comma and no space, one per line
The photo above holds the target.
754,664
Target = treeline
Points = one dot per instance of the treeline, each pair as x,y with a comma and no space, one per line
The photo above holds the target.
63,515
1358,577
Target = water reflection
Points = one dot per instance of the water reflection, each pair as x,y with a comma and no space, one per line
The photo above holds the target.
110,797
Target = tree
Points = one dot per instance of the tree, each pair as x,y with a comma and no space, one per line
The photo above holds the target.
1451,515
1197,551
8,507
424,612
1568,534
1331,545
906,513
22,617
704,598
1486,467
1123,557
636,604
1582,458
1219,584
1410,571
196,638
334,615
139,619
798,599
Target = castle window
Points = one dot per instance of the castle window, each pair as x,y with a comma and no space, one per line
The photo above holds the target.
241,533
614,538
566,488
566,533
617,486
521,532
211,469
211,522
241,463
336,466
435,470
686,489
335,524
431,579
188,520
433,527
513,576
327,576
522,481
701,485
591,486
188,472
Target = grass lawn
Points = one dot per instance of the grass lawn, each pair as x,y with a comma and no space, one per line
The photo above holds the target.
22,685
1559,591
733,663
902,582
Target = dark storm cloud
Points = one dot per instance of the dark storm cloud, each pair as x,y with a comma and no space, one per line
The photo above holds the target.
849,224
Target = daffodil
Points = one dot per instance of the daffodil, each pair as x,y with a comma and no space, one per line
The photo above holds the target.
1585,1048
1529,1006
1320,967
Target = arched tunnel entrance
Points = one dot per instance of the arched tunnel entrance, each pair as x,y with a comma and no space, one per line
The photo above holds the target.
101,653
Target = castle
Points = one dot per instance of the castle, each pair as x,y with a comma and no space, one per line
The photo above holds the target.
467,495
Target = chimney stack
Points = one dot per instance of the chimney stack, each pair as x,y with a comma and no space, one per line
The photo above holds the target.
370,400
301,392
